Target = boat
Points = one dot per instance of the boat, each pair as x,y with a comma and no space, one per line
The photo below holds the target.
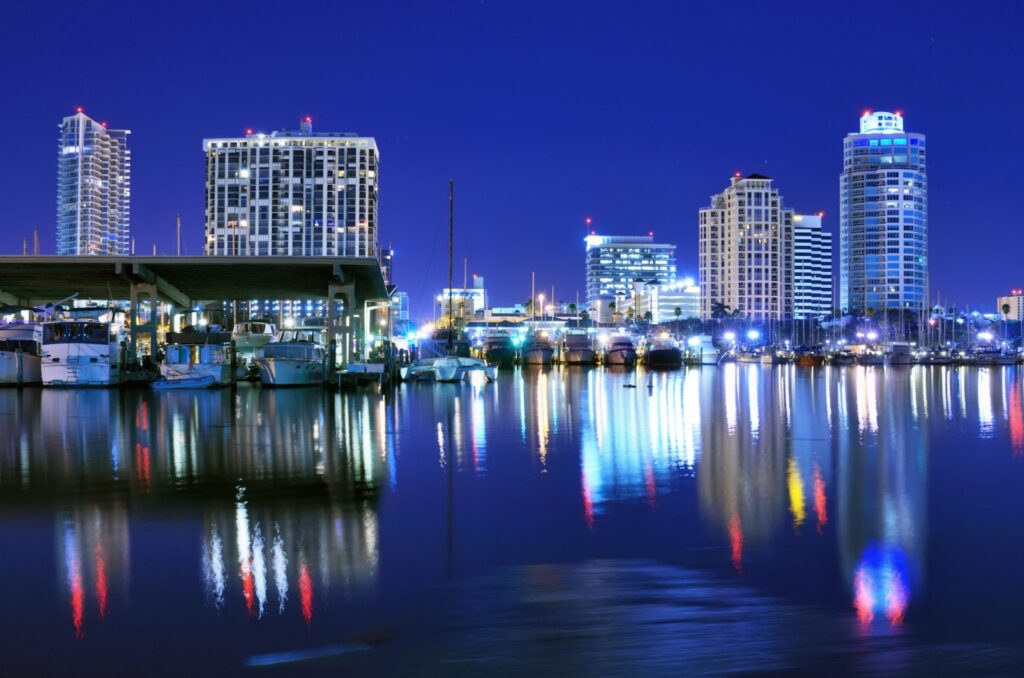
537,350
900,353
577,349
296,358
499,350
20,348
702,349
810,360
942,357
81,353
197,355
992,356
769,358
748,358
870,358
207,381
251,336
844,358
662,353
453,369
620,351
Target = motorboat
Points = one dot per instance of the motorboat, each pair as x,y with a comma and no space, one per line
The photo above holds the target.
577,349
207,381
990,356
662,353
251,336
537,350
940,357
844,358
900,353
81,353
20,347
499,350
702,350
810,360
620,351
448,369
193,357
746,357
870,358
296,358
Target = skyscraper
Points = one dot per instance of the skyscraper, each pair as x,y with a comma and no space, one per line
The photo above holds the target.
883,217
93,187
292,193
746,251
812,268
615,262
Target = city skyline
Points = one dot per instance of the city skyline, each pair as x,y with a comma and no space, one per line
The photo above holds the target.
555,103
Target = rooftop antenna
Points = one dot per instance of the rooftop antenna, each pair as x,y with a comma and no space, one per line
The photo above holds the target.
465,273
154,248
178,220
133,247
24,246
451,209
35,241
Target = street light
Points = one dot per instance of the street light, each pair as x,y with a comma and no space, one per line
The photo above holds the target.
753,335
729,336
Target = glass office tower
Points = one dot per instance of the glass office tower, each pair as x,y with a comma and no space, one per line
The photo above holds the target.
93,188
883,218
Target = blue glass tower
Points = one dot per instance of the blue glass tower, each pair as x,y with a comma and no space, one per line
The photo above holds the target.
883,217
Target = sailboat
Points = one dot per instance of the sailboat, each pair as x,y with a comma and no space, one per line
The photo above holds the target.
450,368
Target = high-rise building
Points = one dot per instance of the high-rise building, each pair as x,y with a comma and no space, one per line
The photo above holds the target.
1014,303
292,193
746,251
615,262
883,217
812,267
93,187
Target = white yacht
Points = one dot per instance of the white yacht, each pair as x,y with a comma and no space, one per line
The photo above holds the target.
296,358
251,336
537,350
702,348
198,365
81,353
620,351
577,349
19,353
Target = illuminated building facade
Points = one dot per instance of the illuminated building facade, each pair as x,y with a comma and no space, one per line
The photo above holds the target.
746,251
1015,302
662,299
292,193
93,188
883,218
616,262
812,267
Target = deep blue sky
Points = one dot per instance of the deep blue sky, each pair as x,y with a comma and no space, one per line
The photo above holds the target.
633,113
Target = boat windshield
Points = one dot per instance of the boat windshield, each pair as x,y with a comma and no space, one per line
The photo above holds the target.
76,333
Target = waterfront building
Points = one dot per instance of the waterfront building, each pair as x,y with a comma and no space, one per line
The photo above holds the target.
662,299
466,302
93,188
746,251
883,218
812,267
615,263
292,193
1015,301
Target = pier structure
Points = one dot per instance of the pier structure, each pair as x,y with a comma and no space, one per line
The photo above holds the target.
186,282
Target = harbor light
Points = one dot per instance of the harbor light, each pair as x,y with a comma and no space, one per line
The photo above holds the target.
203,321
729,336
872,335
663,335
753,335
985,336
693,342
289,322
602,338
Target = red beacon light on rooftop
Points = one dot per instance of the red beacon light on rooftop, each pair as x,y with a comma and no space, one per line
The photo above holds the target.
248,131
650,233
588,220
866,113
308,118
79,109
104,124
821,213
737,174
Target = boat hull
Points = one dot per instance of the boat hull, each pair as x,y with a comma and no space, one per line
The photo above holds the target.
580,356
624,357
20,368
538,356
286,372
220,374
98,374
500,356
810,360
664,358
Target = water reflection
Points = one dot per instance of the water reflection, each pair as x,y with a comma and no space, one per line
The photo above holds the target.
286,495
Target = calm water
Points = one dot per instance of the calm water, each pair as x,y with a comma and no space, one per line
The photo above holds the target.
740,519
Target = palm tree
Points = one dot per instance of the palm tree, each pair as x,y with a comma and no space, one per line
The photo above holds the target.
679,312
719,310
572,309
1005,308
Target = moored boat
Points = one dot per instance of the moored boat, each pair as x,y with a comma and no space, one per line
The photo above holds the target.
577,349
537,350
196,356
662,353
20,347
81,353
703,350
499,350
620,351
297,358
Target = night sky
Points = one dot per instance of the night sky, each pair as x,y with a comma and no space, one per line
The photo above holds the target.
544,113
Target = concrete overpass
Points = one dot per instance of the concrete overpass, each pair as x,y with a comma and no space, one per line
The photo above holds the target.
184,282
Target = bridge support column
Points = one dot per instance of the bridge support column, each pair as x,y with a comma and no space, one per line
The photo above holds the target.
339,328
143,293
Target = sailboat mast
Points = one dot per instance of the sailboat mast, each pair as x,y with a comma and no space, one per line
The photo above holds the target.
451,318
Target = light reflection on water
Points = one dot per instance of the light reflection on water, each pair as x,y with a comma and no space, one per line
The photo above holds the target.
289,493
